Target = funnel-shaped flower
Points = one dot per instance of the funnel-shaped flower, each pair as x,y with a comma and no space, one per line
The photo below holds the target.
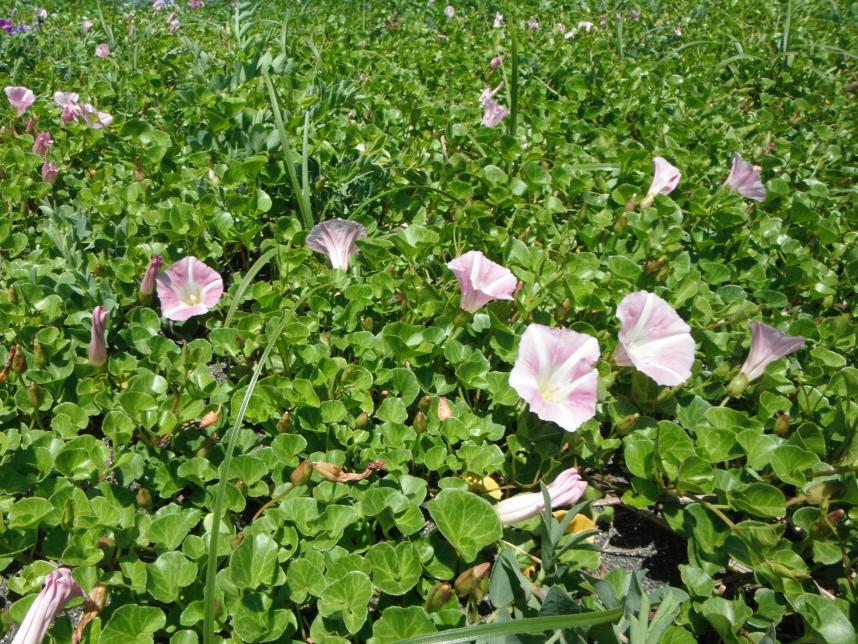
147,286
95,119
745,179
496,61
586,25
481,280
554,373
188,288
42,143
767,345
102,50
59,588
50,172
69,102
533,23
336,238
493,113
20,98
566,489
449,11
97,343
173,23
86,25
664,180
654,339
498,20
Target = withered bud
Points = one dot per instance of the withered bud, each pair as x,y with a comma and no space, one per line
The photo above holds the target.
327,471
655,265
425,402
419,423
470,582
361,420
95,602
34,394
19,361
620,223
822,491
562,310
835,516
144,498
628,422
301,474
367,323
11,294
105,543
285,422
236,541
781,423
210,418
438,595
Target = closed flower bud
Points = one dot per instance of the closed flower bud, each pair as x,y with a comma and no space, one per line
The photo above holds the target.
285,422
470,582
11,294
738,385
147,286
210,418
97,344
425,402
34,394
620,224
40,358
301,474
361,420
144,498
781,423
628,422
444,410
836,516
19,361
419,423
461,318
438,595
367,323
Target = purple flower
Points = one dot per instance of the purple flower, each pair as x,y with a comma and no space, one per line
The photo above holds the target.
533,23
449,11
97,343
50,172
498,24
102,50
20,98
336,238
42,143
665,179
745,179
493,113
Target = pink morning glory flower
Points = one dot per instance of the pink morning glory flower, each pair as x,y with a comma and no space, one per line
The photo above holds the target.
69,102
188,288
86,25
60,587
493,113
336,238
97,343
586,25
654,339
498,20
449,11
158,5
665,179
173,23
195,4
745,179
102,50
147,286
481,280
554,374
50,172
42,143
496,62
767,345
20,98
95,119
565,490
533,23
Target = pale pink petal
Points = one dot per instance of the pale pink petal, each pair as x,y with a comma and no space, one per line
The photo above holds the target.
554,374
95,119
50,172
654,339
188,288
102,50
98,344
745,179
20,98
449,11
69,102
665,178
565,490
60,587
481,280
493,113
767,345
336,238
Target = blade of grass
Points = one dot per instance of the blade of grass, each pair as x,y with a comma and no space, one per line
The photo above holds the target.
239,294
513,89
303,199
217,507
517,626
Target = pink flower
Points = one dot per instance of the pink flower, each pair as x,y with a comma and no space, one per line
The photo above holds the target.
69,102
336,238
533,23
498,20
188,288
95,119
487,94
444,410
195,4
50,172
554,374
585,25
493,113
496,62
147,286
20,98
157,5
97,344
565,490
481,280
173,23
654,339
102,50
665,179
561,27
449,11
745,179
59,588
42,143
767,345
86,25
634,14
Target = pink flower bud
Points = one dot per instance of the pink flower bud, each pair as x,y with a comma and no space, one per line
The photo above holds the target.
97,344
50,172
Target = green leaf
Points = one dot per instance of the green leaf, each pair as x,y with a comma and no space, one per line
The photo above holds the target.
468,522
131,624
397,623
791,464
759,500
395,570
254,562
348,596
28,512
169,573
824,620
